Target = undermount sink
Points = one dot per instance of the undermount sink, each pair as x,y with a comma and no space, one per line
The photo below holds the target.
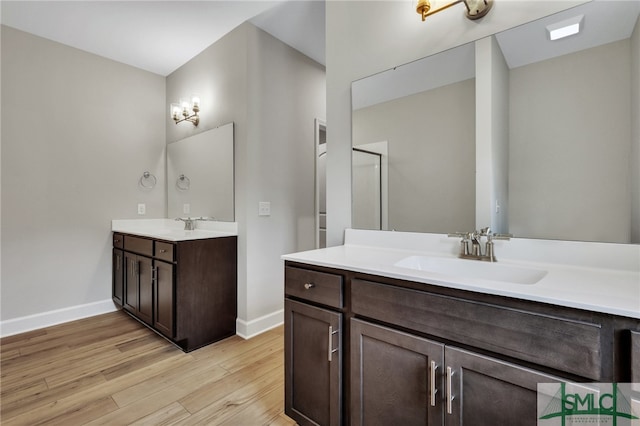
180,234
174,232
473,269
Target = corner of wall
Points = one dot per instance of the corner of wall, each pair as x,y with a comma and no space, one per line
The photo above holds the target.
249,329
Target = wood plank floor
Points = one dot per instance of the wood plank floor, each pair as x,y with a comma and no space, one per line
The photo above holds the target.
111,370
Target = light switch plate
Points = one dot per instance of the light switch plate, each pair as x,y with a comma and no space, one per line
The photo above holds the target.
264,208
142,208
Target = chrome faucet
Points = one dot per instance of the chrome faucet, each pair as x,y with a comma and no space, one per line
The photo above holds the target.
475,237
189,224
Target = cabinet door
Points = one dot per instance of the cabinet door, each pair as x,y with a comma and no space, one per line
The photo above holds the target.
635,356
145,291
396,378
312,364
117,277
163,299
486,391
130,283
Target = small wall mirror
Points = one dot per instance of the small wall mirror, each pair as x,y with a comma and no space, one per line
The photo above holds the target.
200,175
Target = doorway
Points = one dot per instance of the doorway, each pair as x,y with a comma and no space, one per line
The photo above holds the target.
321,183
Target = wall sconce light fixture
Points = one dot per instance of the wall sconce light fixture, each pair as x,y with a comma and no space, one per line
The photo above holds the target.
476,9
182,111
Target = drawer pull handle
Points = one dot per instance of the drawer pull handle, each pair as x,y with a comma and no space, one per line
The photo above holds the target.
450,396
309,286
330,345
163,251
433,389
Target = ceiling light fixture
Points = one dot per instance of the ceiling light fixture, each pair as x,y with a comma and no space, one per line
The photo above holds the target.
183,109
565,28
476,9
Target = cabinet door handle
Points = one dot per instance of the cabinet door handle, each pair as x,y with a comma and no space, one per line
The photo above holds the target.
308,286
117,262
433,389
330,345
450,396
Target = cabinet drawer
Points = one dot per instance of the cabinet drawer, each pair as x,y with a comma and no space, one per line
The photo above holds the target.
319,287
164,251
559,343
138,245
118,240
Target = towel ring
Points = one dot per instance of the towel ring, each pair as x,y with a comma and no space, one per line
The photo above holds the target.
183,183
147,181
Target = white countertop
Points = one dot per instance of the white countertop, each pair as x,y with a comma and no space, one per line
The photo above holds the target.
611,286
172,230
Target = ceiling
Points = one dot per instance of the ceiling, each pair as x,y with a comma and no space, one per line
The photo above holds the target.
160,36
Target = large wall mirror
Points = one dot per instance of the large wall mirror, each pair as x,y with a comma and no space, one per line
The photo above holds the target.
200,175
569,122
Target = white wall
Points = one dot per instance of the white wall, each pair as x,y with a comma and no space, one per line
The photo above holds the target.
366,38
573,109
492,137
431,140
272,93
78,131
287,92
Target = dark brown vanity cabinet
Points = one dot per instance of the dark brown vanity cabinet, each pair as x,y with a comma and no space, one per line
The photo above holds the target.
422,354
138,286
117,281
163,298
118,277
635,356
395,377
313,353
184,290
489,391
400,378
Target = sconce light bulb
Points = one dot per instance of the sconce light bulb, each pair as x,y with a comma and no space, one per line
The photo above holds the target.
175,111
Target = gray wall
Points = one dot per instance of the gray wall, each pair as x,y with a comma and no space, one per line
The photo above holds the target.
78,131
272,93
569,169
492,136
431,156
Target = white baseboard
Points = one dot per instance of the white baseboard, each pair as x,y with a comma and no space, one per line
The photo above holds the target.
249,329
58,316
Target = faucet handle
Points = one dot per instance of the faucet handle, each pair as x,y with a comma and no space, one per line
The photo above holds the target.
206,218
502,236
463,235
